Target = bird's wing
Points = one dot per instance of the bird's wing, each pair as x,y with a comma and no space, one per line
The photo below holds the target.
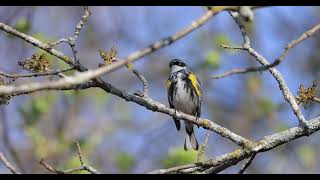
196,86
170,94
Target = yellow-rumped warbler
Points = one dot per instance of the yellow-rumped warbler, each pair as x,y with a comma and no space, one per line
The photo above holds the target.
184,94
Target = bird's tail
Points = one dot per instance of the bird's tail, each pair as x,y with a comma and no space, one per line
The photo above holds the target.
190,139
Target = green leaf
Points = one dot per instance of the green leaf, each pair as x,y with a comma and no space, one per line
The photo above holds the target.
178,156
124,162
213,59
254,84
307,155
100,97
32,110
281,126
266,106
221,39
22,25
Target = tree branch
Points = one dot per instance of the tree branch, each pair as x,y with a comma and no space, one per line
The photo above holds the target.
47,73
246,164
288,96
144,101
236,71
83,167
8,165
292,44
267,143
7,141
203,147
90,74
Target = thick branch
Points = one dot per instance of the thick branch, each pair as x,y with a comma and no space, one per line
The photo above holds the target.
266,144
144,101
148,103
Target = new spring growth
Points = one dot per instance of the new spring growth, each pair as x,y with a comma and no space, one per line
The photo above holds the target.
37,63
305,95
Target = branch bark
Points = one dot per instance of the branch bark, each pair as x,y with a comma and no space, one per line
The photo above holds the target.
288,96
267,143
8,164
83,167
216,164
292,44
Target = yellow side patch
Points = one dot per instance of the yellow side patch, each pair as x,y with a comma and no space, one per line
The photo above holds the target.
194,83
168,84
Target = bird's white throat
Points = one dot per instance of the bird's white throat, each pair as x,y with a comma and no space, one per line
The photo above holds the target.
176,68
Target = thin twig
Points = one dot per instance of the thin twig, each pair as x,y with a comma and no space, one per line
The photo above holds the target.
140,76
50,168
235,71
83,167
203,147
267,143
315,99
47,73
91,74
288,96
72,40
7,141
246,164
143,80
8,165
79,152
292,44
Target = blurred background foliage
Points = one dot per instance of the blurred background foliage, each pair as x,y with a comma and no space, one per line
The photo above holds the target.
121,137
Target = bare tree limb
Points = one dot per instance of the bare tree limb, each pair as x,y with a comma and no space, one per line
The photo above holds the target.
72,40
223,161
288,96
25,89
203,147
316,99
246,164
292,44
47,73
7,141
91,74
83,167
235,71
266,144
220,163
132,57
7,164
68,82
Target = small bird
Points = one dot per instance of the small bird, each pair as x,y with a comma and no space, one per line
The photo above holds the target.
184,94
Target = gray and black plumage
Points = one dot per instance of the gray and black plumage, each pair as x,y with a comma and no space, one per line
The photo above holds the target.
184,94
